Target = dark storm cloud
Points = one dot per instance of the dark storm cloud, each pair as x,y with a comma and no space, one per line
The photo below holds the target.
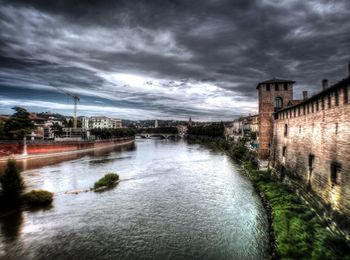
169,58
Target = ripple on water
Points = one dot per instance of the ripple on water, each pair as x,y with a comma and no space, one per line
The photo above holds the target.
177,201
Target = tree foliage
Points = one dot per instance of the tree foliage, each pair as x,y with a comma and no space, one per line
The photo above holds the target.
2,131
212,130
19,124
11,182
112,133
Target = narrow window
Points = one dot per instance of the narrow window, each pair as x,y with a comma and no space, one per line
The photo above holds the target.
290,113
278,102
299,111
284,151
276,87
267,87
285,130
317,104
312,107
304,110
285,86
346,94
329,101
308,108
336,96
335,172
323,103
311,161
336,128
295,112
311,167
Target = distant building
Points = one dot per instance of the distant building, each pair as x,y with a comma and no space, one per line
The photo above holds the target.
48,133
102,122
73,134
244,125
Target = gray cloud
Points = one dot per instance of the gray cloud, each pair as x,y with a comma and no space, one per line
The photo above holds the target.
168,59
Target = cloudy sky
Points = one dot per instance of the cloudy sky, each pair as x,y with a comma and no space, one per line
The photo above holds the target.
166,59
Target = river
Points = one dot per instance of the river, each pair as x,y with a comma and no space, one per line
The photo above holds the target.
174,201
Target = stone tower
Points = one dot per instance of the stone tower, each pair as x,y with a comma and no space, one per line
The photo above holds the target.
274,94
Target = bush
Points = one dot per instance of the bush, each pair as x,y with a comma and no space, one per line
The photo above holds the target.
107,181
38,198
11,182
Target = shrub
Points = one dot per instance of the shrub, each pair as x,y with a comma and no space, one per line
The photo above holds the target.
38,198
11,182
107,181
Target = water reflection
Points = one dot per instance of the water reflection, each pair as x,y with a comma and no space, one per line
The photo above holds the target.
39,162
10,225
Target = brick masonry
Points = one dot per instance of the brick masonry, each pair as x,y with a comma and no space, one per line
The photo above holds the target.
311,144
268,92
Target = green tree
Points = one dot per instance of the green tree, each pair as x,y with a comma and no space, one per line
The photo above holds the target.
11,182
58,129
19,124
2,131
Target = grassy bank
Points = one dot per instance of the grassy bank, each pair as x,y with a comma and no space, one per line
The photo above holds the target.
299,233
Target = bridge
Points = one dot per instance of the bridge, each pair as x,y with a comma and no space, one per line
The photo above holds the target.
158,135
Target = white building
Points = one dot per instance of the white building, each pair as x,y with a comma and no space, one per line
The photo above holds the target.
100,122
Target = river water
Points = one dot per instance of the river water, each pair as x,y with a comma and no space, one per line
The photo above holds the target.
174,201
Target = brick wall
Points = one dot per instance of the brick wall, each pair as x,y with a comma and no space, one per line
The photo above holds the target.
314,148
267,95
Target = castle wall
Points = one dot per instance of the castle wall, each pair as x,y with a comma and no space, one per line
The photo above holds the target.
311,143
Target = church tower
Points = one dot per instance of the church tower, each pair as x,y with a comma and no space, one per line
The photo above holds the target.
274,94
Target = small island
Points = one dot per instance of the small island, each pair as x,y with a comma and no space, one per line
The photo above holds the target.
106,182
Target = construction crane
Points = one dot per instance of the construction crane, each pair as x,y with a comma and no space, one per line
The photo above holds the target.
75,100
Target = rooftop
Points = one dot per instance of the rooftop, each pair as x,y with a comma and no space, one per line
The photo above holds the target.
275,80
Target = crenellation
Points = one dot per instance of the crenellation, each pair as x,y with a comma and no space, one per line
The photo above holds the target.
311,141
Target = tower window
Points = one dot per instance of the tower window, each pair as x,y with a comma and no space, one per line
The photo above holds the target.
278,102
317,105
267,87
285,86
276,87
329,101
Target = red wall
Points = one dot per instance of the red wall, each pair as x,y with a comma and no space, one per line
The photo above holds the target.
42,147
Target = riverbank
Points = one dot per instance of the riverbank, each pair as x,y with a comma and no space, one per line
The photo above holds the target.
297,231
74,148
